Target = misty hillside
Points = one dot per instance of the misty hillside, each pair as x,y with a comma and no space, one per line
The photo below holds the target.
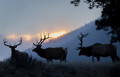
71,42
76,66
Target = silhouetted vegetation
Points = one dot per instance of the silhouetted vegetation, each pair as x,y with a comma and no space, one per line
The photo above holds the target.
18,66
109,18
40,69
9,68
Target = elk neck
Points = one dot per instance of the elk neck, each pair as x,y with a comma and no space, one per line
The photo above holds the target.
41,52
88,50
13,51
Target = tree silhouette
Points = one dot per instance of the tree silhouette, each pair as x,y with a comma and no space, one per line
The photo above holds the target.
109,18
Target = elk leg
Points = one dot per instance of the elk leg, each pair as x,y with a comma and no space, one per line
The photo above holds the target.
98,58
113,58
93,58
61,60
65,60
49,60
117,58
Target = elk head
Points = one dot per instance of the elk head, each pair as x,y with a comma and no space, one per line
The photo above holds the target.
38,45
81,48
12,46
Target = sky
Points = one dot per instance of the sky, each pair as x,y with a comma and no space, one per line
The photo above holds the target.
31,17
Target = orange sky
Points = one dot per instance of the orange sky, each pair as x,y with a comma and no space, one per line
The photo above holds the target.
28,37
30,17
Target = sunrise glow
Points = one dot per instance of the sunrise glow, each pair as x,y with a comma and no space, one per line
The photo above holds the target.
12,36
28,37
57,34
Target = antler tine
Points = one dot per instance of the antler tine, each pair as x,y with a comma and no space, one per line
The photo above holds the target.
5,41
10,44
78,37
81,38
34,44
45,37
85,34
82,35
48,35
37,42
40,40
20,42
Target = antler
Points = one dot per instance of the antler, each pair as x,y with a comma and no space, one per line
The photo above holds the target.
45,37
41,40
81,39
5,41
20,42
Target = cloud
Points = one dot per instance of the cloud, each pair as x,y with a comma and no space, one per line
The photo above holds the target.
29,37
26,37
12,36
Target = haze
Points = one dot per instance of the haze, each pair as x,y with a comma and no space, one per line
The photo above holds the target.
31,17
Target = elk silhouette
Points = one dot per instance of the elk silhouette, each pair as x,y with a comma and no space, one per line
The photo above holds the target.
97,50
16,55
49,54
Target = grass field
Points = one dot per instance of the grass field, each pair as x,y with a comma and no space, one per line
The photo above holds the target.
57,69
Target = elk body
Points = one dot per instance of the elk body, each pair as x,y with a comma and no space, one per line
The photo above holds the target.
49,54
16,55
98,50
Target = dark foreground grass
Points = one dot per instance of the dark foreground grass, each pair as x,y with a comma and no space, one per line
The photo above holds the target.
34,68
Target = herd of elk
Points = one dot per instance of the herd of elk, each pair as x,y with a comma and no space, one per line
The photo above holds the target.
59,53
16,55
97,50
50,53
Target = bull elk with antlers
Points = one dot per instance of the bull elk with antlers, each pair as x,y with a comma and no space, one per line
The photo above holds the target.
97,50
16,55
50,53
